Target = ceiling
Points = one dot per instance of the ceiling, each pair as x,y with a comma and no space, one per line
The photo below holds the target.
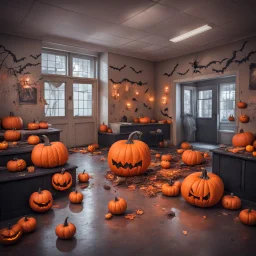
138,28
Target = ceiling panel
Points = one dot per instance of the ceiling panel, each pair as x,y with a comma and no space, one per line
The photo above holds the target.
135,45
151,16
154,39
180,5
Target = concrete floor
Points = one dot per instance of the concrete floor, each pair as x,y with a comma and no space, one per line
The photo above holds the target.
150,234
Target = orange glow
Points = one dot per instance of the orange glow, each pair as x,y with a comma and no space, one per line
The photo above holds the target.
166,89
128,105
164,100
151,99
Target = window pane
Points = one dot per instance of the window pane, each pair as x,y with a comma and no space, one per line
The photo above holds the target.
187,101
54,63
82,67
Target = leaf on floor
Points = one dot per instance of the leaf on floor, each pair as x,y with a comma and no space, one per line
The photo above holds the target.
83,186
55,206
164,209
139,212
132,187
185,232
106,187
110,176
225,213
130,216
108,216
204,217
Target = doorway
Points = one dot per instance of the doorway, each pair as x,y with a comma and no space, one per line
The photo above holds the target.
208,104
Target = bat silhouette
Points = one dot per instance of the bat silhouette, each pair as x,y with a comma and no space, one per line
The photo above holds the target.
116,68
146,90
35,57
183,74
127,80
136,110
164,114
166,109
137,72
166,74
21,69
134,99
9,52
145,105
245,59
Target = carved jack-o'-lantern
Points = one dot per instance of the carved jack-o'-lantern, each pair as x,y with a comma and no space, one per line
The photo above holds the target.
62,181
11,234
202,189
41,201
129,157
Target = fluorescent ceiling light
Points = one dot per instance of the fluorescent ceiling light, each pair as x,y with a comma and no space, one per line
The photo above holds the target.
191,33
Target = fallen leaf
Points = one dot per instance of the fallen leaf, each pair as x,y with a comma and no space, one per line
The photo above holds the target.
185,232
55,206
204,217
103,159
84,186
108,216
225,213
110,176
132,187
163,209
106,187
139,212
130,216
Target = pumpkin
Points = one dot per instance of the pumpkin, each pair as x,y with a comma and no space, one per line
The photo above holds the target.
161,144
41,201
83,177
206,155
66,230
249,148
4,145
43,125
12,135
103,128
243,139
231,202
244,119
165,164
136,120
33,139
169,121
129,157
241,104
91,148
15,143
172,188
12,122
254,153
158,156
28,224
110,130
185,145
11,234
231,118
76,197
96,145
117,206
108,216
16,165
191,157
164,121
144,120
166,158
180,150
62,181
202,189
153,121
49,155
248,217
33,125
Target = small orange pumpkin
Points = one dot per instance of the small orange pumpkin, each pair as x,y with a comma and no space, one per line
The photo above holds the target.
28,224
136,120
165,164
206,155
166,157
241,104
153,121
248,217
33,125
41,201
16,165
231,202
254,153
66,230
191,157
43,125
62,181
91,148
185,145
4,145
83,177
103,128
96,145
158,156
33,139
12,122
76,197
244,119
180,150
231,118
169,121
172,188
12,135
249,148
144,120
117,206
110,130
11,234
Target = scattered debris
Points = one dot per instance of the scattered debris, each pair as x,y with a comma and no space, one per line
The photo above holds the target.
106,187
55,206
130,216
225,213
83,186
132,187
171,214
139,212
108,216
185,232
103,159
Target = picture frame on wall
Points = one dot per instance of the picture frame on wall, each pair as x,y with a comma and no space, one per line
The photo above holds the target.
252,82
27,95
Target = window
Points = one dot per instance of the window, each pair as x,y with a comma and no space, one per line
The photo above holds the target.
82,67
54,94
187,101
54,63
204,104
227,101
82,94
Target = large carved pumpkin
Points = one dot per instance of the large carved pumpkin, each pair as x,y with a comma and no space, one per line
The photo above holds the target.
12,122
62,181
202,189
16,165
12,135
41,201
49,155
243,139
129,157
11,234
191,157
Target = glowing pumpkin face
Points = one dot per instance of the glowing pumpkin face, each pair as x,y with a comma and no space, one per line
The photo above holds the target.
11,234
129,157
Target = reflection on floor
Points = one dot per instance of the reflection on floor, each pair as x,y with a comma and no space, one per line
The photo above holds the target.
204,146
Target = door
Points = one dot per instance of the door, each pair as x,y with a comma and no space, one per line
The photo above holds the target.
206,114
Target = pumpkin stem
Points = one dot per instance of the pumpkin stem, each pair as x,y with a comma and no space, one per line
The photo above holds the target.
241,131
39,191
76,191
26,218
204,174
171,183
138,133
15,159
46,140
11,113
63,170
250,209
66,222
9,226
232,194
116,199
83,171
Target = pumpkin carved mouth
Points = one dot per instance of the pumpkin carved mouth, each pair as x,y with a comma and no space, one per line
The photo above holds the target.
191,193
42,204
11,238
126,165
65,184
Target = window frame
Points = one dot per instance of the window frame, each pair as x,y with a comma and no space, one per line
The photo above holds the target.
197,103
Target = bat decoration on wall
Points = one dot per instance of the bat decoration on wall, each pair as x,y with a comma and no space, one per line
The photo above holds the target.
246,58
35,57
137,72
166,115
134,99
136,110
127,80
166,109
166,74
183,74
116,68
9,52
146,90
145,105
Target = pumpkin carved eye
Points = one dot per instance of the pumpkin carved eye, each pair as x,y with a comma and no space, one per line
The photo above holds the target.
191,193
126,165
206,197
65,184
